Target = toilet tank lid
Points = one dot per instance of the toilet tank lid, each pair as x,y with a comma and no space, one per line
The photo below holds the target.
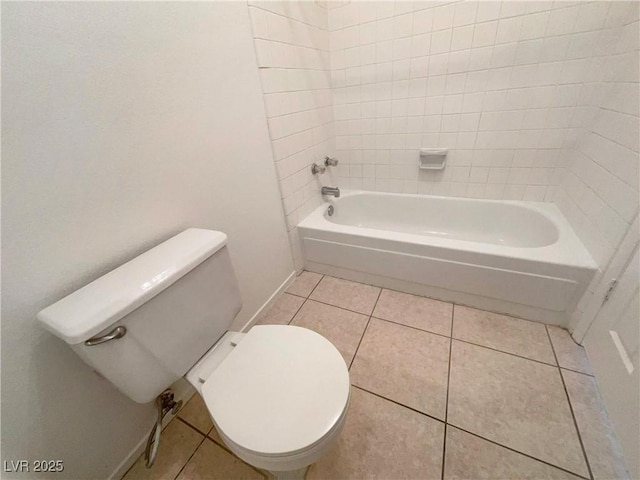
89,310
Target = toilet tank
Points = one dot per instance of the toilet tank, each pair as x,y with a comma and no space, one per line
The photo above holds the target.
175,301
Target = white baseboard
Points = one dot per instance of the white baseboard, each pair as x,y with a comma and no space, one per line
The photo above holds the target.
270,301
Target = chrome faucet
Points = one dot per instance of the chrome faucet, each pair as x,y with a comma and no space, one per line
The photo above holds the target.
330,162
317,169
335,191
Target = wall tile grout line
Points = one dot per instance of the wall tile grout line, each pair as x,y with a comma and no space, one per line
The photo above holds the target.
573,415
299,45
288,18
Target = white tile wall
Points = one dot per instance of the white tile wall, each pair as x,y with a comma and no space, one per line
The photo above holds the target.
535,100
599,193
503,85
292,48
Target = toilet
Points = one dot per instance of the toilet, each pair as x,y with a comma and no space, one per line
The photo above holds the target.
278,394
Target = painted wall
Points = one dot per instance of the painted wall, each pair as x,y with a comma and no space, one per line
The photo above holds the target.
123,124
498,83
292,47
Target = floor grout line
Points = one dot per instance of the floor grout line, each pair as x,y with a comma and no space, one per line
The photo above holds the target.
305,299
316,286
453,304
472,343
517,451
576,371
446,403
447,336
341,308
188,424
296,312
215,442
398,403
445,422
448,424
359,343
573,415
444,451
192,453
439,300
516,317
364,331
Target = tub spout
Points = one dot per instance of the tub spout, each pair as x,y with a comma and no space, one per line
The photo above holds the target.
335,191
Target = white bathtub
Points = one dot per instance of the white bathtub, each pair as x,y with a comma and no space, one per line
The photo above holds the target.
519,258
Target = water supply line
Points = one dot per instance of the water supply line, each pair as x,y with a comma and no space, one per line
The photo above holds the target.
165,404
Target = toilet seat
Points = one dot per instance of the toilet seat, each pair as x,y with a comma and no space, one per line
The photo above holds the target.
282,391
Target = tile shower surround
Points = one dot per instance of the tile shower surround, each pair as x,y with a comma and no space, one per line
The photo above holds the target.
439,391
506,86
535,101
292,49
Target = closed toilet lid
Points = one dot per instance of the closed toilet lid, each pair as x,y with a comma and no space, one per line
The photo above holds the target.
280,390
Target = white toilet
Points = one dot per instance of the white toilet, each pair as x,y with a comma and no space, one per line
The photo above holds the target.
278,395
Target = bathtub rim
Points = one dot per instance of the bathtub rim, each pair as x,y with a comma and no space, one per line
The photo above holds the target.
568,250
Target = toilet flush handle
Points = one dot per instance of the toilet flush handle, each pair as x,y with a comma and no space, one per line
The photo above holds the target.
114,334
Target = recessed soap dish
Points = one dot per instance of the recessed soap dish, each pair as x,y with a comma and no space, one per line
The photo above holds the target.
433,158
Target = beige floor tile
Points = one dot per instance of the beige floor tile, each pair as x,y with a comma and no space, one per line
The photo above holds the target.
196,414
342,328
346,294
212,462
508,334
177,444
215,436
420,312
470,457
282,311
570,354
599,439
304,284
405,365
515,402
382,440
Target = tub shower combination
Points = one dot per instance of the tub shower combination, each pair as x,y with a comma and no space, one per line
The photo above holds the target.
513,257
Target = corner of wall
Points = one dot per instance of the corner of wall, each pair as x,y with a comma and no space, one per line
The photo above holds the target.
292,47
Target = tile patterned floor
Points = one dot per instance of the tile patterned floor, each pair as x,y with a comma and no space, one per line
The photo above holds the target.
439,391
